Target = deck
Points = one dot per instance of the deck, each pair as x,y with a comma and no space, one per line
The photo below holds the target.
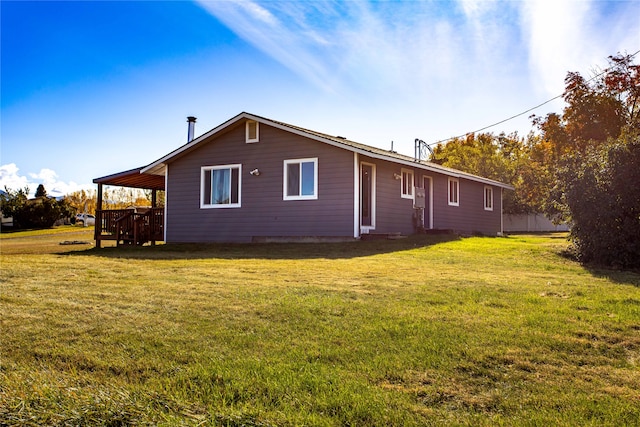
135,226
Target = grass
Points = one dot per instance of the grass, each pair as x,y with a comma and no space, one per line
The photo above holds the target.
422,331
47,241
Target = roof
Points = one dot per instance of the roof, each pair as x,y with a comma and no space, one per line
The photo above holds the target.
133,178
158,167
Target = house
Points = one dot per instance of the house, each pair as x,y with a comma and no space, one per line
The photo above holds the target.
253,179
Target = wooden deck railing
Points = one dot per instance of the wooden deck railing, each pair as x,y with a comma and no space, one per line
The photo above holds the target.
130,226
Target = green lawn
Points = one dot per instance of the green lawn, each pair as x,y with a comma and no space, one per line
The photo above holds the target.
421,331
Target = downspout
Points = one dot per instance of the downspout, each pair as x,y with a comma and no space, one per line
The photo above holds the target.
356,197
501,212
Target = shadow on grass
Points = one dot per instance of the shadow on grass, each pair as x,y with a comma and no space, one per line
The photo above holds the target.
344,250
620,276
616,275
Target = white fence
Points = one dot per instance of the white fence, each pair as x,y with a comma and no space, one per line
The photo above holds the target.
531,223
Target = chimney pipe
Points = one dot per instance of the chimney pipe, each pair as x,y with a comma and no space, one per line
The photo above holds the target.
192,125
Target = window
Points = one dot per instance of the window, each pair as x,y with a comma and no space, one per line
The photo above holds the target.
301,179
252,131
407,184
488,198
454,189
220,186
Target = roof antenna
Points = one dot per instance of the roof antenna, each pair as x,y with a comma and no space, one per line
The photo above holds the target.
421,150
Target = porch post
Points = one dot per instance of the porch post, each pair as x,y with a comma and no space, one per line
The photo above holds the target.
152,219
98,224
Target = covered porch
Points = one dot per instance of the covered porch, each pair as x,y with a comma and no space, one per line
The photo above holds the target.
134,226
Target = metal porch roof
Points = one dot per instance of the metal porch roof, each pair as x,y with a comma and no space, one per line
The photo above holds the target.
134,179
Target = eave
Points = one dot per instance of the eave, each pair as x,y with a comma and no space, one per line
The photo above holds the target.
133,178
158,167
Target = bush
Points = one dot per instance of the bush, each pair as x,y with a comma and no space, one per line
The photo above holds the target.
602,195
40,212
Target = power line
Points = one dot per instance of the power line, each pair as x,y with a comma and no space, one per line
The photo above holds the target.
524,112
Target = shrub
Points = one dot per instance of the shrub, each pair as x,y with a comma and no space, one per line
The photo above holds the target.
602,199
40,212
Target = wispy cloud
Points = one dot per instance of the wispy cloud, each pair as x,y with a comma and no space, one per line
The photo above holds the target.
405,46
481,61
333,43
282,32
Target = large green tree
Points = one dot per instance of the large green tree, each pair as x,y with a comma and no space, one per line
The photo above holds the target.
591,152
599,192
598,109
582,166
505,158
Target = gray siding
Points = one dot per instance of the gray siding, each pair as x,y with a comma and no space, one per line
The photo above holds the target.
263,213
394,214
469,217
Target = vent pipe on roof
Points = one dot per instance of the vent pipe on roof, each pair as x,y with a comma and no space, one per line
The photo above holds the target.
192,127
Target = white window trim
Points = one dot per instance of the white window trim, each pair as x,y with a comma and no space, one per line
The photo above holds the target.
313,196
166,200
488,206
457,201
203,170
404,195
257,138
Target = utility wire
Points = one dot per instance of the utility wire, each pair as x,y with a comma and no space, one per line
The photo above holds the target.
524,112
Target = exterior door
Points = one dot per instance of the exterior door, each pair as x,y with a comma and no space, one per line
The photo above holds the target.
367,196
427,184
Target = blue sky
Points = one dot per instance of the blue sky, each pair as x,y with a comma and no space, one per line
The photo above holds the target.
93,88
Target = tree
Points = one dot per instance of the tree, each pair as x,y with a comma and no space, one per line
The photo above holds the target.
40,191
623,80
40,212
505,158
114,198
583,167
599,194
597,109
81,201
12,201
591,151
593,113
